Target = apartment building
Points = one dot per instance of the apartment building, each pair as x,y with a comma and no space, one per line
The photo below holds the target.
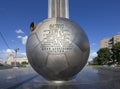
109,42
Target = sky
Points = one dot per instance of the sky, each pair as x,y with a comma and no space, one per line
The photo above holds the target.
99,19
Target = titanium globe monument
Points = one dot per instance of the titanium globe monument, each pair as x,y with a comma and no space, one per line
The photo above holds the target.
57,48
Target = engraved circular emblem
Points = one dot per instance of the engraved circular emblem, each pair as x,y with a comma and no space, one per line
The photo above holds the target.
56,39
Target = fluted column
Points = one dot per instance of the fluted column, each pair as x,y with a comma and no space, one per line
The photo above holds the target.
58,8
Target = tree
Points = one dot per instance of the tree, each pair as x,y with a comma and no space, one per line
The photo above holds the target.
96,61
103,57
116,52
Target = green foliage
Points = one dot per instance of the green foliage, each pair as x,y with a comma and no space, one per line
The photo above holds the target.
95,61
24,63
116,52
107,56
103,57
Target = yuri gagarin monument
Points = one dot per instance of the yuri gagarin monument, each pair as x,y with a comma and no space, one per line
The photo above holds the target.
57,48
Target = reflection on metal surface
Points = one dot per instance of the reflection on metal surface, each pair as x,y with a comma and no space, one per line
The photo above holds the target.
58,48
60,85
58,82
58,8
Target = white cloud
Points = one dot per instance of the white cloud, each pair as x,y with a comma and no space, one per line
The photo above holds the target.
5,53
92,55
19,36
23,38
10,51
19,31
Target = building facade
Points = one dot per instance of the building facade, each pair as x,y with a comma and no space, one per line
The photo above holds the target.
11,60
109,42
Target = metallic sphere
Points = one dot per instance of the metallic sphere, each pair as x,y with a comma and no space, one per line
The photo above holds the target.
57,49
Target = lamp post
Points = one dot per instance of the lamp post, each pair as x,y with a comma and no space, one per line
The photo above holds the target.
16,51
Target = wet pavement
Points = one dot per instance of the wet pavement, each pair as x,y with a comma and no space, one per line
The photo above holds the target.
88,78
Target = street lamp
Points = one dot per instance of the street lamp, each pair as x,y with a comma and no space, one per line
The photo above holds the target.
16,51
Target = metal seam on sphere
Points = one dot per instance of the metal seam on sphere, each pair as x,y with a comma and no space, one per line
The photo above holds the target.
67,59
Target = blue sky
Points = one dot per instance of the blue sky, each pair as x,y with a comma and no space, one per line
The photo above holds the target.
99,18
